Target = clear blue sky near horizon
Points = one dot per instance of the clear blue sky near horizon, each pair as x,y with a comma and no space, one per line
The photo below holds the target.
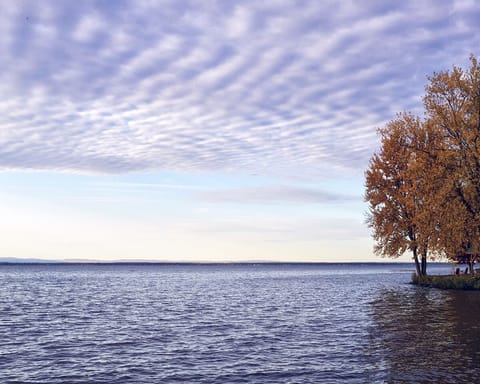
206,131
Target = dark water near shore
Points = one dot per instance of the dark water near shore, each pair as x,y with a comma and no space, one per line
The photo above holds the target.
278,323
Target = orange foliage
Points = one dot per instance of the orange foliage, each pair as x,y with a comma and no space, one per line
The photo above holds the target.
423,187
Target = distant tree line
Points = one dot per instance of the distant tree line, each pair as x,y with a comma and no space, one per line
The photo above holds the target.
423,185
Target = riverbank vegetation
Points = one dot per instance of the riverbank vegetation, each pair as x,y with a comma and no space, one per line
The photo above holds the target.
462,282
423,185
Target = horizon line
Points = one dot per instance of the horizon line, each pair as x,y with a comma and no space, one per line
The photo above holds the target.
32,261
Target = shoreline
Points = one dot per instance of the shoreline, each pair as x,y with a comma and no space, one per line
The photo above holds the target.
452,282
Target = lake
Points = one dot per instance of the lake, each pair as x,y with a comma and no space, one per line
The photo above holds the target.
234,323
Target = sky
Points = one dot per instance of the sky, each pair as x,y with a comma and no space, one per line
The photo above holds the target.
207,130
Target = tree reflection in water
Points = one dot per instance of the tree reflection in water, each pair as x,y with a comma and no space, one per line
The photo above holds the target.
426,335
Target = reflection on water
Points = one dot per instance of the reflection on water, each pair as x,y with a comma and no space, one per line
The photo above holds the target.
427,335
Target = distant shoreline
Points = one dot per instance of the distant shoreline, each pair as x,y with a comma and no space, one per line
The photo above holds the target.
10,261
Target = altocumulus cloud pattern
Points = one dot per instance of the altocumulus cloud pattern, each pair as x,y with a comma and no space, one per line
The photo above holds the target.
259,86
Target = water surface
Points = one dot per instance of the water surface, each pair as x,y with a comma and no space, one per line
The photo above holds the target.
253,323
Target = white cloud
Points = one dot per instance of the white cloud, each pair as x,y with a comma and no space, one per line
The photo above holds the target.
166,46
269,88
274,194
281,229
88,27
238,24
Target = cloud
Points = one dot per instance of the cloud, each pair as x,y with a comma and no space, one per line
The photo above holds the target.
280,229
274,194
275,88
87,28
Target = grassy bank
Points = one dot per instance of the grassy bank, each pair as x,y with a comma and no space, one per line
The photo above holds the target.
462,282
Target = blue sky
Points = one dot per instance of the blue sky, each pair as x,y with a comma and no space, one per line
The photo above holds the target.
206,131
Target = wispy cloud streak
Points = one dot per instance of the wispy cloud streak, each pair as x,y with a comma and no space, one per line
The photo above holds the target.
275,194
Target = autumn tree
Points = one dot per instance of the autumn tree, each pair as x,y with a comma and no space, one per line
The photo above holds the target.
452,105
423,187
397,190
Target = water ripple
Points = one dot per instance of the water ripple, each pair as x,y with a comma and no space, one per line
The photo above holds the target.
232,324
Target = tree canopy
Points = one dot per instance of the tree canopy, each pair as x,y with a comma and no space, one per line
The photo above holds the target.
423,186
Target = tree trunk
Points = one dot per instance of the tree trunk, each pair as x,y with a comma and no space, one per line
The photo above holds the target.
424,263
417,264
